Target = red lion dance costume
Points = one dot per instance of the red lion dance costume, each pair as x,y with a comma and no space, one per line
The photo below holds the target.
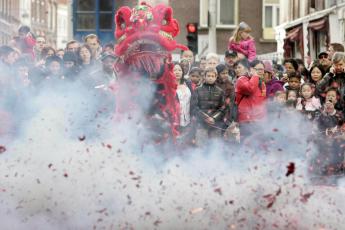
145,39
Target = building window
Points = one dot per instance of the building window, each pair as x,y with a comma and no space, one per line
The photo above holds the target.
106,15
270,18
226,10
86,19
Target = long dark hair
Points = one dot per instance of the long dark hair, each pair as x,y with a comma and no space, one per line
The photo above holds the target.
319,66
182,80
78,53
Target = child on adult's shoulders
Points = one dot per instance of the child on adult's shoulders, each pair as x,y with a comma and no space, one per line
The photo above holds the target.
242,42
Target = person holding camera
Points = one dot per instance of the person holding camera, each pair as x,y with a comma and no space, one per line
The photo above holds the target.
250,98
336,76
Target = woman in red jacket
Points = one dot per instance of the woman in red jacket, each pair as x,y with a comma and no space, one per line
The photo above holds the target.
250,98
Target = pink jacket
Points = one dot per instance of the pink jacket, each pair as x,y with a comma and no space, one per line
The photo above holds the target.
246,47
311,104
250,99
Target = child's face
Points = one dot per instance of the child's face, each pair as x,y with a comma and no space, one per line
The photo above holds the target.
224,75
294,83
55,67
306,92
331,96
316,74
280,98
292,96
244,35
195,78
210,78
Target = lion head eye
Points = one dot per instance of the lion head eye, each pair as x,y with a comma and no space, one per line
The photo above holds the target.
164,22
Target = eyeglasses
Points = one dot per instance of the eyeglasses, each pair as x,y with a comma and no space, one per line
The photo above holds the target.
259,69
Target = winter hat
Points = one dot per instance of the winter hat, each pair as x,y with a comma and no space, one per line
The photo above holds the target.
195,70
268,67
220,68
107,55
244,26
53,58
230,53
70,56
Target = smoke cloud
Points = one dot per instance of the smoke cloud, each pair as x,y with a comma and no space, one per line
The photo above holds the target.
74,164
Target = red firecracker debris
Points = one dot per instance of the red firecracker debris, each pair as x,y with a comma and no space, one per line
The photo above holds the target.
65,175
275,130
157,222
305,197
82,138
290,169
2,149
50,165
218,190
109,146
271,198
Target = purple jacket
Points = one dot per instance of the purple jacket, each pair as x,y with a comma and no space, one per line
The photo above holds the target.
246,47
273,86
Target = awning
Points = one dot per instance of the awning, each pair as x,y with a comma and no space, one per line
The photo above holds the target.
321,24
293,34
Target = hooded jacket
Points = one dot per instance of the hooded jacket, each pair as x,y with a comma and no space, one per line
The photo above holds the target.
250,99
273,86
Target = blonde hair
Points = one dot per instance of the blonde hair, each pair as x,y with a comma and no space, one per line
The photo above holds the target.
242,27
212,56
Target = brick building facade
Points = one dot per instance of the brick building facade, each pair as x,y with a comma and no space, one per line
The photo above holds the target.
228,11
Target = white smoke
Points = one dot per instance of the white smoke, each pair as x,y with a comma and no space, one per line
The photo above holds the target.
71,167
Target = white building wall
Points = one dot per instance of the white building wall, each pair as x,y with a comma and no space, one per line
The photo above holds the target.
62,25
25,12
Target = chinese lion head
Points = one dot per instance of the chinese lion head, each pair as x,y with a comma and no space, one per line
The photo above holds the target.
145,39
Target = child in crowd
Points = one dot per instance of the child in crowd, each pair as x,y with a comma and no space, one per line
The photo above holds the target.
242,42
208,107
307,102
330,117
229,91
291,98
195,77
290,66
294,81
280,97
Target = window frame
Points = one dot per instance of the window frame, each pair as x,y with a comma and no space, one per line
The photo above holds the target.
231,26
274,14
203,22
